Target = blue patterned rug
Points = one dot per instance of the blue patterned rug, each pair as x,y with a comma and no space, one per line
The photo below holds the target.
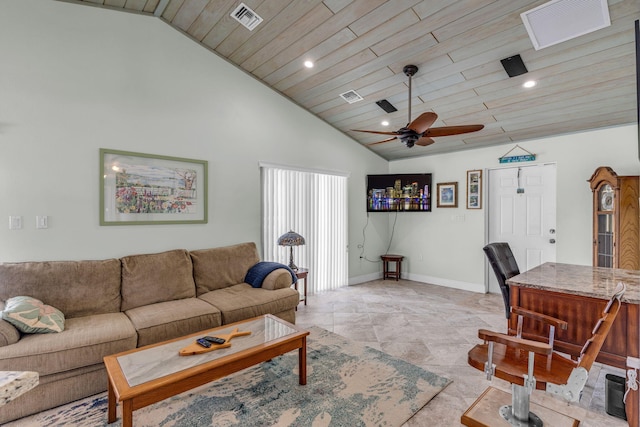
348,384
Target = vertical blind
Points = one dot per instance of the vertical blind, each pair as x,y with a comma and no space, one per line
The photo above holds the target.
313,205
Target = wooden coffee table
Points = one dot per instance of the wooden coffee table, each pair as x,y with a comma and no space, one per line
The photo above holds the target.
152,373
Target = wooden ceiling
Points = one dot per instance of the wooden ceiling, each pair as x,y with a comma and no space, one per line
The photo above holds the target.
585,83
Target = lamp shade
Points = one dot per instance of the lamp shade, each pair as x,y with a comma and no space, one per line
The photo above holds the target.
291,238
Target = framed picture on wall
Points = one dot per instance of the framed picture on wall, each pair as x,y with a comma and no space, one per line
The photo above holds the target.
139,189
447,195
474,189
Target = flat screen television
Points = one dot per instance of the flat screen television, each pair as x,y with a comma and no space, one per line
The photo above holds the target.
399,193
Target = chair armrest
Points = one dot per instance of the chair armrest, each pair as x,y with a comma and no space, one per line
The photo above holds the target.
540,317
278,279
511,341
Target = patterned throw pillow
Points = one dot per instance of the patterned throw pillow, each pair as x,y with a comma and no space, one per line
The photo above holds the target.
32,316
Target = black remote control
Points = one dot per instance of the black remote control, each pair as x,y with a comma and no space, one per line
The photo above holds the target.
215,340
203,342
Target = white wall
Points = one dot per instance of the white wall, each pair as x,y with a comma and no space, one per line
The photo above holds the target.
439,250
76,78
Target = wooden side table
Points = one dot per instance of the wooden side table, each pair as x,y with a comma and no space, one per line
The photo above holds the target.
386,259
302,274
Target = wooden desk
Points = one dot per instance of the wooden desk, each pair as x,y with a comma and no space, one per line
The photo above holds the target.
302,274
390,274
578,294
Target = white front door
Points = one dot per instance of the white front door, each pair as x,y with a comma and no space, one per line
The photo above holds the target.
522,212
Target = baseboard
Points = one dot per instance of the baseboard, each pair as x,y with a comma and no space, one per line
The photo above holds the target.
365,278
447,283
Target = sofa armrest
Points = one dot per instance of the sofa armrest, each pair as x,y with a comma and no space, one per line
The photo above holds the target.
279,278
8,333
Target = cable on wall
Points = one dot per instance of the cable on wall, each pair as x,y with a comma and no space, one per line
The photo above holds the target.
364,238
393,230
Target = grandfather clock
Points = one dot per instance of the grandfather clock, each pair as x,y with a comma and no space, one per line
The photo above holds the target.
616,219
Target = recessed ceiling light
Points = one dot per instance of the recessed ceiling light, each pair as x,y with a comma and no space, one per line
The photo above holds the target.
308,64
385,123
529,83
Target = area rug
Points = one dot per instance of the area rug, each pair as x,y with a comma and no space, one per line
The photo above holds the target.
348,384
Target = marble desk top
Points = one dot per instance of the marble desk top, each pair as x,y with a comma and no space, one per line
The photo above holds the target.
16,383
595,282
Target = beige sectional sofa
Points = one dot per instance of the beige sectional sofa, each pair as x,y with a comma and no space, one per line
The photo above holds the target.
118,304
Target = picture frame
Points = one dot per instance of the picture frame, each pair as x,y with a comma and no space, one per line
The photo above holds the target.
474,189
447,194
144,189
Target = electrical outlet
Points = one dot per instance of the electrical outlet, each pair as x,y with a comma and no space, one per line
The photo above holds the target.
457,218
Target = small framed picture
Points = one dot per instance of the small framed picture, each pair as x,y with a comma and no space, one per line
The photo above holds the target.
447,195
474,189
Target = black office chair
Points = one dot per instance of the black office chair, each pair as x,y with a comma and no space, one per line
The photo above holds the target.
504,266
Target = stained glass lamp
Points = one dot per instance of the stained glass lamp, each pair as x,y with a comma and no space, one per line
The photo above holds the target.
291,239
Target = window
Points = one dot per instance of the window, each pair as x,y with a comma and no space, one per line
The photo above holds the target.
313,205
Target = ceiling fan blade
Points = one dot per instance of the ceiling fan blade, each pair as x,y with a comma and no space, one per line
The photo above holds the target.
452,130
376,132
423,122
380,142
424,141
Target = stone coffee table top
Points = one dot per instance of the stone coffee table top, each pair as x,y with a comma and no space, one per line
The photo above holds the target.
16,383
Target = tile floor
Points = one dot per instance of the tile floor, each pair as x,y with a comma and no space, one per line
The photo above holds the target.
434,327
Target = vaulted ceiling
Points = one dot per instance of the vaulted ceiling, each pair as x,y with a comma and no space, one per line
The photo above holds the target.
584,83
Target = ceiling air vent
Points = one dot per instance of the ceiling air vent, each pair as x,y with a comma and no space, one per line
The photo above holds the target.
351,96
561,20
246,16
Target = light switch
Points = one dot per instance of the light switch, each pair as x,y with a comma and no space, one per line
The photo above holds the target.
15,222
42,221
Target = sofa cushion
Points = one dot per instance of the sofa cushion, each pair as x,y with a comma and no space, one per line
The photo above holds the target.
172,319
32,316
152,278
85,341
219,268
77,288
242,301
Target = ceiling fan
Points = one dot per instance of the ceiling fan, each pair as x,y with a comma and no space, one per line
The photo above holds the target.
419,131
